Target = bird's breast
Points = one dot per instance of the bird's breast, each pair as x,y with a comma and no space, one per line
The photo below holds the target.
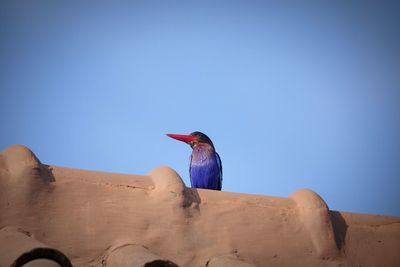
202,155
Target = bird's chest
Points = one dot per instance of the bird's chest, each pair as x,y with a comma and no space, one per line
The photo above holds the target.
202,156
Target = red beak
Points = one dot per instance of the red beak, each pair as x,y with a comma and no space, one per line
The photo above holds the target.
182,137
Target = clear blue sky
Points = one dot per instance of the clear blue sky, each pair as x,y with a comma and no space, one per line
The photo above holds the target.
294,95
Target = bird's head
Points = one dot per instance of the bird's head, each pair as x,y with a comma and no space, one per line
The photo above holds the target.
193,139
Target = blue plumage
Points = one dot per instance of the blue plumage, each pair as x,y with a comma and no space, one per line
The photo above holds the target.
205,164
205,168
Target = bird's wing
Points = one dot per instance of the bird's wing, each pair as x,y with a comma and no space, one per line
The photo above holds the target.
220,170
190,169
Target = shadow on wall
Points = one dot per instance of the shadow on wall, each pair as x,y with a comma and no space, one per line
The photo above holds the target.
191,198
160,263
339,228
46,172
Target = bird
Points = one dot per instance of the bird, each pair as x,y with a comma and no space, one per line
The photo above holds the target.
205,168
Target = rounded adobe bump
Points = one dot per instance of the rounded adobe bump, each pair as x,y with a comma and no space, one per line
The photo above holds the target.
315,217
18,157
165,178
306,198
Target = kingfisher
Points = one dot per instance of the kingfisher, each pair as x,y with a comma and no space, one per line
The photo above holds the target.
205,167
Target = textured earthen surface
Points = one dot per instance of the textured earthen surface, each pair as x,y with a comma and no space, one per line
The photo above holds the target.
108,219
315,217
134,255
15,242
